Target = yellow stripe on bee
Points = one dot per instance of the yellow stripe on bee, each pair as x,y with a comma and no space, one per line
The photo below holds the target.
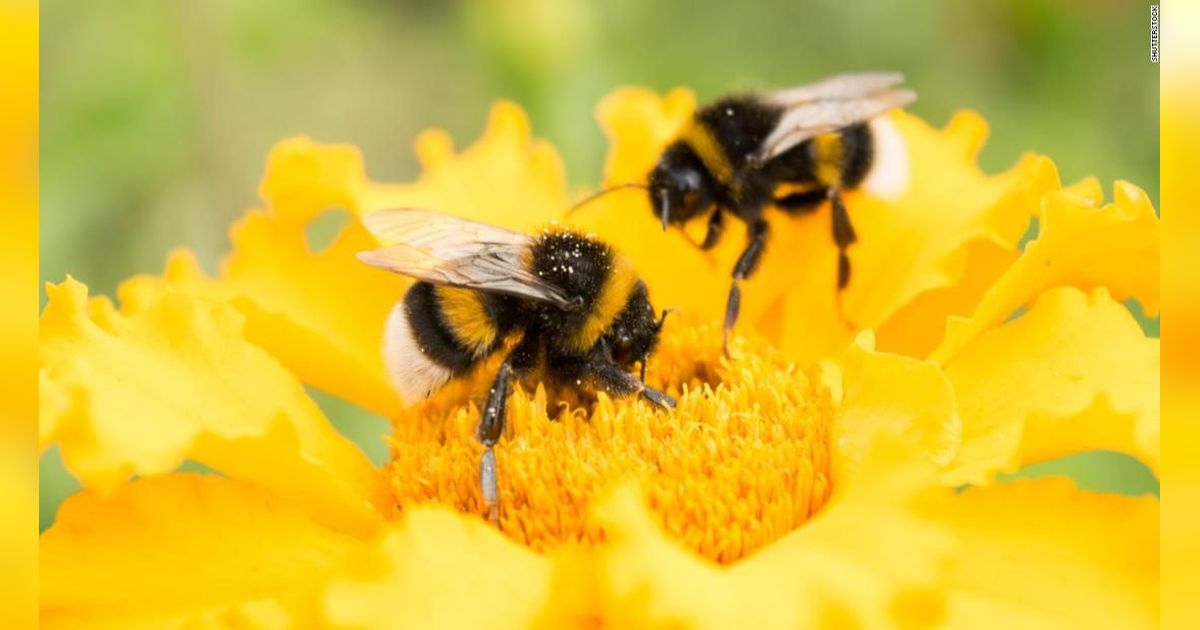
784,189
828,152
704,143
611,300
467,316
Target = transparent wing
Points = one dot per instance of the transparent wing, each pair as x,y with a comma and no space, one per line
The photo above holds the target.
446,250
829,105
440,234
841,86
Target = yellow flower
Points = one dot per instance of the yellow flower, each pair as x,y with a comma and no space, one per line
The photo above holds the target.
814,481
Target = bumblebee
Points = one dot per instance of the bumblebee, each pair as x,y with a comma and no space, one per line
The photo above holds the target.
734,155
560,301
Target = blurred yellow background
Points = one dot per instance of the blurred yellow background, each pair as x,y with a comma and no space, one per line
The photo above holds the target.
157,117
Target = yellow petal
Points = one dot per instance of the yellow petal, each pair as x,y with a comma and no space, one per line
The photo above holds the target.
1074,373
638,124
1088,189
505,178
909,245
184,549
321,313
178,381
53,402
918,242
181,272
1042,554
867,560
304,179
439,569
898,394
1079,245
918,327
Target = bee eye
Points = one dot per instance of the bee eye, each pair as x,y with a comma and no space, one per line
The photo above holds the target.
690,198
689,182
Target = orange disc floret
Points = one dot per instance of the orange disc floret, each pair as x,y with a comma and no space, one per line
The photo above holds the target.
741,461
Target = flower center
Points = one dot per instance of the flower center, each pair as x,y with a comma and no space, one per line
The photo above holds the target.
742,460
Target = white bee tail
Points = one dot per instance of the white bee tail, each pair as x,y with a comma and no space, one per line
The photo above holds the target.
414,375
889,173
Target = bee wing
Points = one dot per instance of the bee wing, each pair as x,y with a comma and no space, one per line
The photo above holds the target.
441,234
446,250
841,86
828,106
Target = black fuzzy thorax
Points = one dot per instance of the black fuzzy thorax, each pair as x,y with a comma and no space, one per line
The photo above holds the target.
739,124
579,267
632,336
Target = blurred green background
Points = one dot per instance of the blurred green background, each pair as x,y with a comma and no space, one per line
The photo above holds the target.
157,116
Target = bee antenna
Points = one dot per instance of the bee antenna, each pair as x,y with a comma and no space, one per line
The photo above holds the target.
666,208
663,318
596,195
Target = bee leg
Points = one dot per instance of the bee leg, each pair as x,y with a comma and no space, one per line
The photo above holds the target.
843,236
716,224
732,304
746,265
801,202
491,427
657,397
618,382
